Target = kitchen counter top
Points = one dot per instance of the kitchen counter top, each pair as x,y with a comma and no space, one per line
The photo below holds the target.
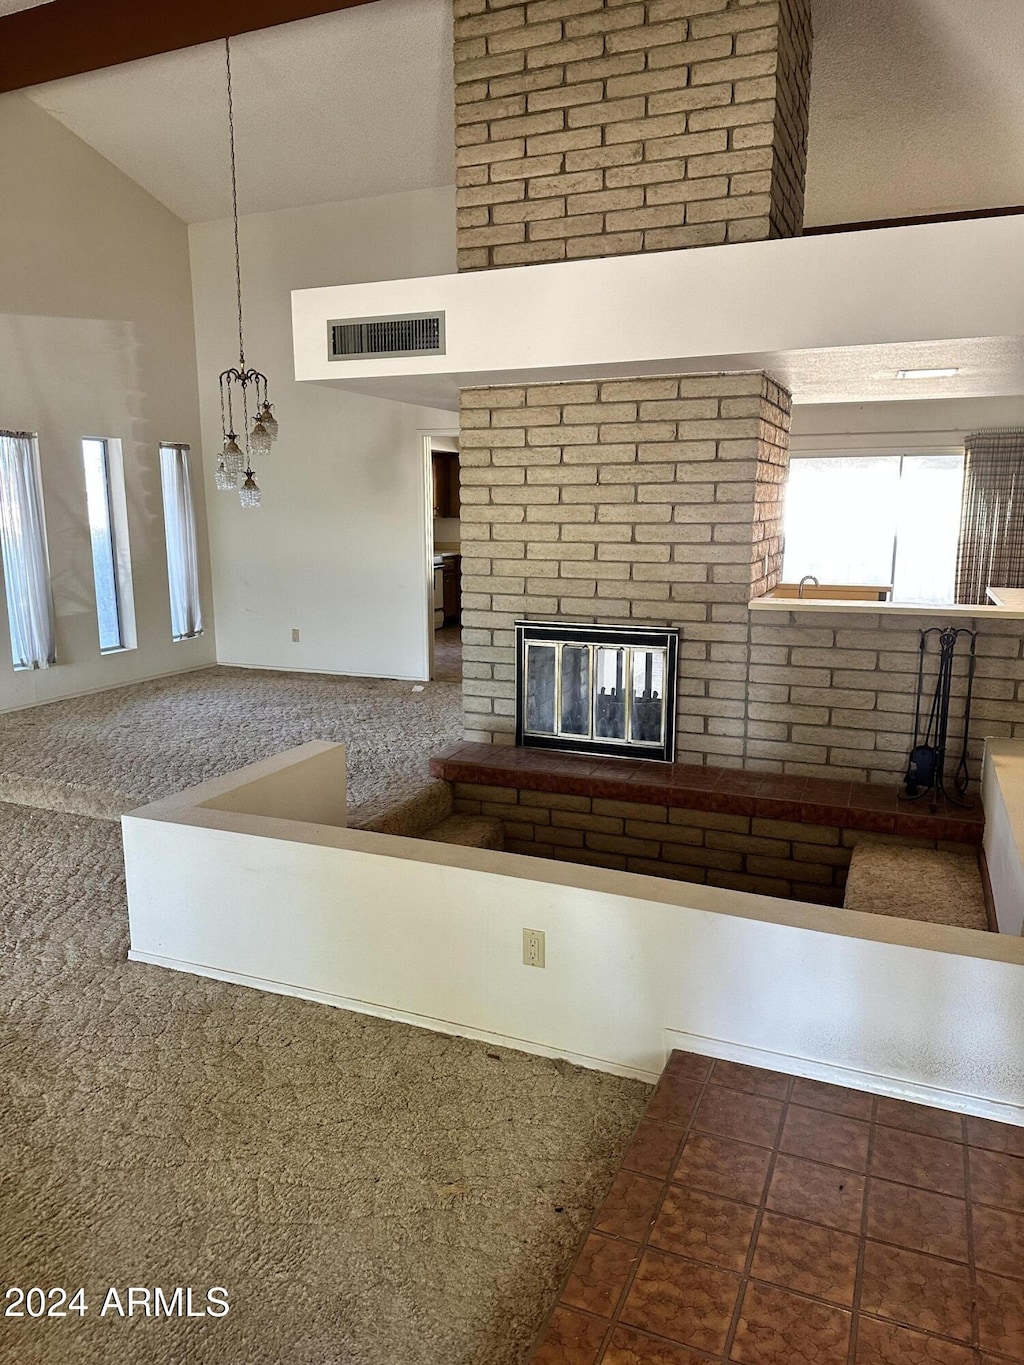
1008,605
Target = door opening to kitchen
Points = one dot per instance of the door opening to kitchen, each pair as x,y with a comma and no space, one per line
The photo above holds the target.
446,558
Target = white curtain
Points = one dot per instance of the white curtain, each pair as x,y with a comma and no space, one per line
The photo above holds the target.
180,530
23,538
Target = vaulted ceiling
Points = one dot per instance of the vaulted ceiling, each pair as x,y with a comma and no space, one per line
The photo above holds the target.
916,108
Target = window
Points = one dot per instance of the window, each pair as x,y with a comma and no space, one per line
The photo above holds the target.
180,533
25,561
108,531
876,519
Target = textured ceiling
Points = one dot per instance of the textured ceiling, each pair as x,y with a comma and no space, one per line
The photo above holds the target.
343,106
12,6
917,107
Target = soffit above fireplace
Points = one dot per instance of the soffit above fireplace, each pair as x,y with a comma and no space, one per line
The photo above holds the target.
832,317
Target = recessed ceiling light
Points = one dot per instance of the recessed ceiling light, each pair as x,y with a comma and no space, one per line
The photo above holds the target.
947,373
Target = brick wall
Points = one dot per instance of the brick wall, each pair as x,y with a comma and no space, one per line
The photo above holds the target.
659,500
593,127
836,693
744,853
622,501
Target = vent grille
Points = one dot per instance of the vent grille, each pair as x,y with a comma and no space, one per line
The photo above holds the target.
365,338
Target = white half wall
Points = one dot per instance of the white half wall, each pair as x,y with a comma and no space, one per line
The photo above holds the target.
1002,791
339,548
96,339
432,934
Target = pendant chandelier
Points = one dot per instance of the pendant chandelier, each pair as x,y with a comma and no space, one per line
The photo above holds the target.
234,464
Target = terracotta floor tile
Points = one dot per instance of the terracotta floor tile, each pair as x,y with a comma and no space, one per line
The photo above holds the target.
654,1147
704,1227
920,1118
821,1194
853,1104
916,1290
569,1339
914,1159
629,1206
919,1219
999,1242
997,1179
673,1100
721,1166
752,1080
777,1328
689,1303
824,1137
599,1275
1001,1315
746,1118
808,1258
883,1343
687,1066
628,1347
997,1137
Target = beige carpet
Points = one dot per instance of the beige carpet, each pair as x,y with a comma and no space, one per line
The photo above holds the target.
103,754
916,883
368,1193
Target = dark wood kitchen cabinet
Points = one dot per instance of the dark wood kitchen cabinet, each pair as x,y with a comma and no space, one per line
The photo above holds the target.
452,579
445,465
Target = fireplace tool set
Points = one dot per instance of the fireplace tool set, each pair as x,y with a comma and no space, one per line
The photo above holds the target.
927,765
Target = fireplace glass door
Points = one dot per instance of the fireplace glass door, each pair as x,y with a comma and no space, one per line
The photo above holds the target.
610,694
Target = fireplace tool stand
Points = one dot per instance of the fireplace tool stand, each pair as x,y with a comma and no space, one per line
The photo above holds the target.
927,764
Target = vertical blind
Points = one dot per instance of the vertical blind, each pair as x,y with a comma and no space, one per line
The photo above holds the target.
23,540
180,533
991,546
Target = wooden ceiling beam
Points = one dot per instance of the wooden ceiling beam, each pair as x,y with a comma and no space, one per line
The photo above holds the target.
69,37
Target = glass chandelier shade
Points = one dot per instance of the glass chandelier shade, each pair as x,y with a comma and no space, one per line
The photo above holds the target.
249,494
259,439
269,420
234,464
225,480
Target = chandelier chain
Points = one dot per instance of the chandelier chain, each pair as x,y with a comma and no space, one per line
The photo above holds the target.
234,206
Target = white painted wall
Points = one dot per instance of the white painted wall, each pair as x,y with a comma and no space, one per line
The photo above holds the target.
96,339
925,425
1002,792
338,549
432,933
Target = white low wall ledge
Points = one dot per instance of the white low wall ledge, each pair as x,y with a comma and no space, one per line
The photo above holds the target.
832,316
252,878
1002,792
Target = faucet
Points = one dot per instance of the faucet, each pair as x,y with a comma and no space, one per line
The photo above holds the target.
807,578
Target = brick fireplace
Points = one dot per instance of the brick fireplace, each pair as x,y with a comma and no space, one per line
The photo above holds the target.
591,128
636,502
587,128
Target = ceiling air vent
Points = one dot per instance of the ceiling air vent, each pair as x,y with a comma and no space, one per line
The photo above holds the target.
402,334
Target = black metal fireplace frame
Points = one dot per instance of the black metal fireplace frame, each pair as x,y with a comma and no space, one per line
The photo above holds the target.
640,637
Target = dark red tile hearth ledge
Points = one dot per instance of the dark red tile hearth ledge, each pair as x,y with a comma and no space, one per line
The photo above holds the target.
729,791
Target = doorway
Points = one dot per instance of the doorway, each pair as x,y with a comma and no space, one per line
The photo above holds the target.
444,554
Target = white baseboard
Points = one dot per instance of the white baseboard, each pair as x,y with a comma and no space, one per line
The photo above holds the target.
323,672
893,1086
109,687
399,1016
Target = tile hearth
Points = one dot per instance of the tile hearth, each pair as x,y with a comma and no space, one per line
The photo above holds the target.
763,1219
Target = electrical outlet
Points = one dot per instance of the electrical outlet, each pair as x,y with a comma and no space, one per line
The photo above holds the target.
295,635
533,947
